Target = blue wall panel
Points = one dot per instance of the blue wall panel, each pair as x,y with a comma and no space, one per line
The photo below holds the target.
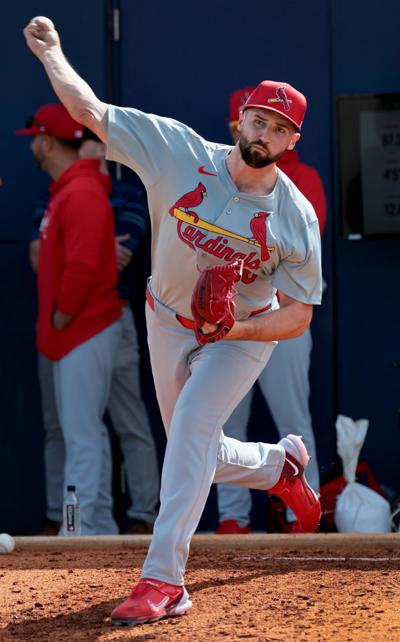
366,47
25,87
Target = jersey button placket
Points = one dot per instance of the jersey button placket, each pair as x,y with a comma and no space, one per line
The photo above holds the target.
235,200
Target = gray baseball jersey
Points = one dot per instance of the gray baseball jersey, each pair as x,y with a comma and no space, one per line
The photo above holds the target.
199,218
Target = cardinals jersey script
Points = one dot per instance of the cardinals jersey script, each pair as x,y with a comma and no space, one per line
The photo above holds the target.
199,218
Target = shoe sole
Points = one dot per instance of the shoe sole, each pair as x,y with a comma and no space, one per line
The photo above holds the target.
304,456
174,611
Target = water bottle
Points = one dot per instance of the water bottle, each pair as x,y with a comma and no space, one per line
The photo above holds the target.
71,513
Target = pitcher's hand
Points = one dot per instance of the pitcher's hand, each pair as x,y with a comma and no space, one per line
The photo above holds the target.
41,36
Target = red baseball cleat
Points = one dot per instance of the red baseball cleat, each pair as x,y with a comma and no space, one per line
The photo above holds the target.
294,527
293,488
150,601
232,527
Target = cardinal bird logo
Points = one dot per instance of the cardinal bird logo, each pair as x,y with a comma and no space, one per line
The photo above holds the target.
258,228
281,94
189,200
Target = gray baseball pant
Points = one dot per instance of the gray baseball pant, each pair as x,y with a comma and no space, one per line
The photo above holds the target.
197,389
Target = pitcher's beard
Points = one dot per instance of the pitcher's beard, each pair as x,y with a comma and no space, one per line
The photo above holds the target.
254,157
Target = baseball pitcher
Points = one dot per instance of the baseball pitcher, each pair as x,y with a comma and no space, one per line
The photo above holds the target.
229,217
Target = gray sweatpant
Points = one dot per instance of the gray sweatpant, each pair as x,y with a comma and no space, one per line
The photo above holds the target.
286,389
82,381
130,422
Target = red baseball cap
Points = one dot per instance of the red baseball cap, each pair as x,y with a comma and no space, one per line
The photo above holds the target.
281,98
53,119
236,102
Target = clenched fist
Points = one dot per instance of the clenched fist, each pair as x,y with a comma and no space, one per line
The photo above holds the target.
41,36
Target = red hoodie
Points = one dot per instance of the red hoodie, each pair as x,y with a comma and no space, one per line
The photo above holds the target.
77,263
308,181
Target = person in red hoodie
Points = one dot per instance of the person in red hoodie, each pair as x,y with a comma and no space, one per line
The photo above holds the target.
78,325
285,382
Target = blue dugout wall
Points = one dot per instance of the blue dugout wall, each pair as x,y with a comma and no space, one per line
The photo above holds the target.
367,311
183,60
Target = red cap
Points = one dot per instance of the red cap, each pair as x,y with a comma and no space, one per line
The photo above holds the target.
280,97
236,102
53,119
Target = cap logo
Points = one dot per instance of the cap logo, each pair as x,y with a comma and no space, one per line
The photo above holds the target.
246,96
281,97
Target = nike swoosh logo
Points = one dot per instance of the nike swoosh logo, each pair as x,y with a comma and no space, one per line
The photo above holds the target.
296,470
202,170
156,607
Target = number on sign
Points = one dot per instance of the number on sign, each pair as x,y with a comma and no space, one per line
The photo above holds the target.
391,139
392,209
392,174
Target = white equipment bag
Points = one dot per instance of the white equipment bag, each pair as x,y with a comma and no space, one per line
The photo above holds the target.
359,509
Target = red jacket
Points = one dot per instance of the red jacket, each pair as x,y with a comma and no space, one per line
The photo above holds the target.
308,181
77,263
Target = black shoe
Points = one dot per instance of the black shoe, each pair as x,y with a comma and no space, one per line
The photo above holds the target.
49,528
139,527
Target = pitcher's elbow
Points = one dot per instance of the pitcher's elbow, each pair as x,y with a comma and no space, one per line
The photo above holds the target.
305,318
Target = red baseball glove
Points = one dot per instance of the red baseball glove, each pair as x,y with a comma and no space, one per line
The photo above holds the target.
212,300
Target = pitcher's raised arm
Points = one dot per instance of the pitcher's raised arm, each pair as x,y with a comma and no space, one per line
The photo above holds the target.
80,100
